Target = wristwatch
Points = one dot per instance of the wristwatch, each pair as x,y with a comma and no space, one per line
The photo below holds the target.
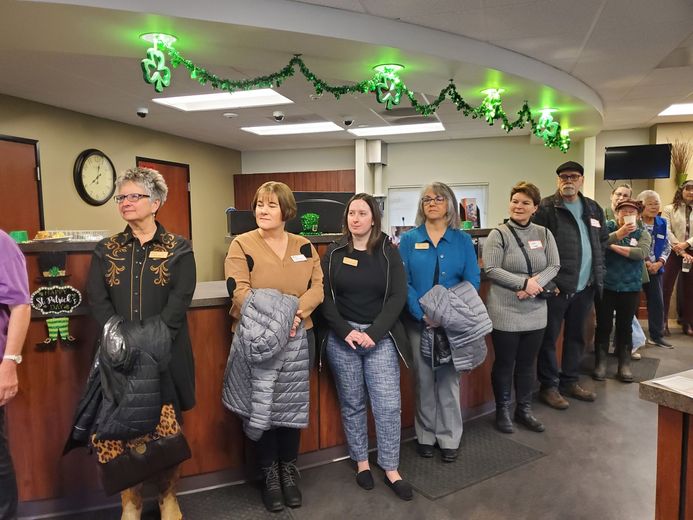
16,358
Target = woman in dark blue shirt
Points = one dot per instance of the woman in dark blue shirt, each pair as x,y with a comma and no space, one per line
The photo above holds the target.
436,253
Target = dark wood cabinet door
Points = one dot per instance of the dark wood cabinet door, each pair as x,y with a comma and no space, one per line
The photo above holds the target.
175,213
21,208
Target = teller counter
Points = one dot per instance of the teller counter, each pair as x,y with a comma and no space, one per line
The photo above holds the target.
52,381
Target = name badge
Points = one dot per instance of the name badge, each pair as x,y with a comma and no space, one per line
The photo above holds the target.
595,223
535,244
421,245
350,261
633,242
158,254
660,236
299,258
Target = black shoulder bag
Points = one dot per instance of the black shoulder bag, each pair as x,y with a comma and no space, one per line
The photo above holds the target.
550,289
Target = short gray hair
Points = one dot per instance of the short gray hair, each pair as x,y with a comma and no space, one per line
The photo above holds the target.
453,211
643,196
151,181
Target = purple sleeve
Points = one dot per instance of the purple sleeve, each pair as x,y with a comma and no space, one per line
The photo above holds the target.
14,282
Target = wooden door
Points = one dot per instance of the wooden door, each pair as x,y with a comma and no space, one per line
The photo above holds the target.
21,208
175,213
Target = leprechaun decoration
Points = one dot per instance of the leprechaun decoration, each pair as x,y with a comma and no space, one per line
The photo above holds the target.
55,299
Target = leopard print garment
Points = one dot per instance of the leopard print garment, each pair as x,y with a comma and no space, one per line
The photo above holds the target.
107,450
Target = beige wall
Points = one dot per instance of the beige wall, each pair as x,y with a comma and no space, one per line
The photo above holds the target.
668,133
63,134
313,159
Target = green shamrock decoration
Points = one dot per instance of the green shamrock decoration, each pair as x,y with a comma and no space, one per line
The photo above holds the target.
155,71
309,223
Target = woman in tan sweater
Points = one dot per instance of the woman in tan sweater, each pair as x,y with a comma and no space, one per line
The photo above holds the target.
271,258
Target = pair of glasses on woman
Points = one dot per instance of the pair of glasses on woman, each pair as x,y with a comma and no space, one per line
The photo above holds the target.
439,199
130,197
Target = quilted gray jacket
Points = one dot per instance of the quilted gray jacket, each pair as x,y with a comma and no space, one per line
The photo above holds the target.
462,314
267,373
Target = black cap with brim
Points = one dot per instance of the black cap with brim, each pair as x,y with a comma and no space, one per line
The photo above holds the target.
570,166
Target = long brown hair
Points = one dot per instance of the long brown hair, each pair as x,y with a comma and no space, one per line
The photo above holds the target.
376,230
678,197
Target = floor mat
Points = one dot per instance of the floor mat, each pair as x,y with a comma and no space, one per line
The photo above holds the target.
484,453
240,502
643,369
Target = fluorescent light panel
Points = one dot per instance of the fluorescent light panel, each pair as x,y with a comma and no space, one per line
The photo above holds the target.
264,97
397,130
298,128
681,109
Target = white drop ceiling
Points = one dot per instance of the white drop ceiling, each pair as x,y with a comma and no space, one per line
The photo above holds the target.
608,64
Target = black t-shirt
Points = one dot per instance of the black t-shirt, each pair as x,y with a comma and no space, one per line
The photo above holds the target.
360,283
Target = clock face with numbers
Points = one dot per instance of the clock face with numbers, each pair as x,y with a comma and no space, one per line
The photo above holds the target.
94,176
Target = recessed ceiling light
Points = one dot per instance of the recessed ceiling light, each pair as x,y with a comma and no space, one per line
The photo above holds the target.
264,97
230,115
299,128
397,130
680,109
166,39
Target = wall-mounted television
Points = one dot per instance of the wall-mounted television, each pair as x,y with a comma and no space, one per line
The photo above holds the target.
648,161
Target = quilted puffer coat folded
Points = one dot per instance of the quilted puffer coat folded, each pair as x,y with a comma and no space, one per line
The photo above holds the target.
267,373
462,314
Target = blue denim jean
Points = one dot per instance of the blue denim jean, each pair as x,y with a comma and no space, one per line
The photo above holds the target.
368,373
655,306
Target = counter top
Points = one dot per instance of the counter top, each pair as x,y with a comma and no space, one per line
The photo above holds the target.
210,294
664,396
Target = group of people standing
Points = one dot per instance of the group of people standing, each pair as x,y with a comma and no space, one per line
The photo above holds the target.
368,307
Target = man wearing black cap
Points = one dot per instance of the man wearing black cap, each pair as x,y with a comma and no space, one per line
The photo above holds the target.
577,223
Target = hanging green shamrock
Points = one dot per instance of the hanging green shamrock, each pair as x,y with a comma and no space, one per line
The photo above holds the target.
154,69
387,85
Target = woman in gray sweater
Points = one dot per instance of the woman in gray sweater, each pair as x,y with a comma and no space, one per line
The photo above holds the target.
520,258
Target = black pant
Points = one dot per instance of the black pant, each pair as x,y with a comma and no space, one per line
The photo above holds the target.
278,444
655,306
574,309
8,482
516,353
625,304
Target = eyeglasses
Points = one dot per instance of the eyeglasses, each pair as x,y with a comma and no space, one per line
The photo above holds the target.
572,178
431,200
131,197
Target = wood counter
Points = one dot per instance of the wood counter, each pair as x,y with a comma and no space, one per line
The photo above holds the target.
52,382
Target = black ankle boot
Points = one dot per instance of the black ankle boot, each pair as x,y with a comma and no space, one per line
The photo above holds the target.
600,353
288,475
523,415
503,421
271,489
624,372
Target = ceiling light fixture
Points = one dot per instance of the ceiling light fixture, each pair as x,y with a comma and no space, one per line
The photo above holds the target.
397,130
298,128
678,109
153,38
264,97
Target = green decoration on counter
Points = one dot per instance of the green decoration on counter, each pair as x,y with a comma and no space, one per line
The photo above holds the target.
309,223
385,83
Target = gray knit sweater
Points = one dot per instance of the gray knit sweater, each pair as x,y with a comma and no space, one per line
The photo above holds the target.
506,267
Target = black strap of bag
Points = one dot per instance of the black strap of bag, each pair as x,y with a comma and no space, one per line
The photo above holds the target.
522,248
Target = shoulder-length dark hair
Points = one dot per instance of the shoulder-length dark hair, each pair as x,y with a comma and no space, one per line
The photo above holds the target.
678,197
376,230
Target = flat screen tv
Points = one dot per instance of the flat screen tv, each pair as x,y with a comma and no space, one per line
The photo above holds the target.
648,161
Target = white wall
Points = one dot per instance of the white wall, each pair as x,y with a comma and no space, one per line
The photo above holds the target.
302,160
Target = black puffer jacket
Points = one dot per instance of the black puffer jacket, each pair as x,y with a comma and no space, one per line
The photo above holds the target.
131,357
387,322
553,215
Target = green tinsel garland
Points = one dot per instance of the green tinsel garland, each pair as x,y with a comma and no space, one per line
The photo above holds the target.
386,84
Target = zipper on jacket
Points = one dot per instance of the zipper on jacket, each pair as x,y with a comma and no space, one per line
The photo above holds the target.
329,278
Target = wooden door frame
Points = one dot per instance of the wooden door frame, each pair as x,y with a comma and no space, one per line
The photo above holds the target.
39,177
139,158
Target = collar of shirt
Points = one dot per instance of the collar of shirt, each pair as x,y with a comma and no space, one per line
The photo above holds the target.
422,234
160,232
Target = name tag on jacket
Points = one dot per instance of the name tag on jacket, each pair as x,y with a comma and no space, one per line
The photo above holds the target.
595,223
350,261
298,258
158,254
535,244
421,245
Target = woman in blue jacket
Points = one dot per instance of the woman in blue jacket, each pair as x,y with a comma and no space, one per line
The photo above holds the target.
436,252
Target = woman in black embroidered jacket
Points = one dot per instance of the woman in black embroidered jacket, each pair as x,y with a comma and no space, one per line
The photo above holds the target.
146,272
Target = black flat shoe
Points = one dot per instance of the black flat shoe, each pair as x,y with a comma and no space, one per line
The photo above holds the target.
424,450
401,488
365,479
448,455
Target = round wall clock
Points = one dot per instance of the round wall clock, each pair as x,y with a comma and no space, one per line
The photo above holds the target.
94,176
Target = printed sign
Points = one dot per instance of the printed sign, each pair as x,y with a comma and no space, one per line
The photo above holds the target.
56,299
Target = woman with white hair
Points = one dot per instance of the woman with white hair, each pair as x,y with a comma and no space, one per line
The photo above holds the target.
659,254
436,253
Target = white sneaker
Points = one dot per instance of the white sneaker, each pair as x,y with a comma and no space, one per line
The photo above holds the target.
636,356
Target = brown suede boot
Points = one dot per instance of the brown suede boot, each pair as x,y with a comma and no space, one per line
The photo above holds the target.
168,503
131,500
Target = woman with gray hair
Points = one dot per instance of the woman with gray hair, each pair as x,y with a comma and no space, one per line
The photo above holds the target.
437,252
146,275
654,263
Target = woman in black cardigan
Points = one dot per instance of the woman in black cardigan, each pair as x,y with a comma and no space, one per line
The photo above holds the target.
365,292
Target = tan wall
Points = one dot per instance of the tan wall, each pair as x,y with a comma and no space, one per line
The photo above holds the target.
63,134
668,133
301,160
